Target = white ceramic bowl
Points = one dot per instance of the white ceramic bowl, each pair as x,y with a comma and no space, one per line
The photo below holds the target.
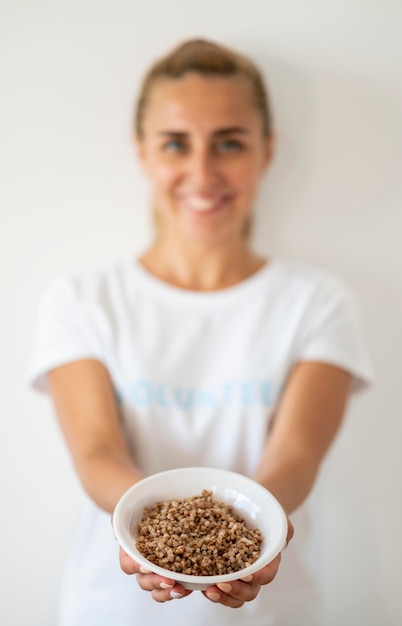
251,501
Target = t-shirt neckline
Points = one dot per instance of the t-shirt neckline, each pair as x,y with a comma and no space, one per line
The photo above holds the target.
227,295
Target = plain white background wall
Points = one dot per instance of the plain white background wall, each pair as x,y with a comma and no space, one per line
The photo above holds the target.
72,196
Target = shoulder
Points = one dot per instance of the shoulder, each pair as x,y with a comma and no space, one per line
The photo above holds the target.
91,283
305,289
306,277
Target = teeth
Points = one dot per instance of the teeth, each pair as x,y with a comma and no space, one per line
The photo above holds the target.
201,204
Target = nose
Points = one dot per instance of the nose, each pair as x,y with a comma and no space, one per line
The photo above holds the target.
202,168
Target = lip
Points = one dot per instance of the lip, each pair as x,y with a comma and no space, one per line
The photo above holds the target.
204,204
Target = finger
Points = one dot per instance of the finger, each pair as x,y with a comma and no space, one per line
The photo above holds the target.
151,582
165,595
245,592
127,564
146,579
267,574
214,594
291,532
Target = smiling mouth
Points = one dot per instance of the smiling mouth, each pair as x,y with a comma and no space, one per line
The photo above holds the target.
204,205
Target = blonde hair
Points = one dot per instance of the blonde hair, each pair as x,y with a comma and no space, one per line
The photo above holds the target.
207,59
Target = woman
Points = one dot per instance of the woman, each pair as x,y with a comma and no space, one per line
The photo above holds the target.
201,352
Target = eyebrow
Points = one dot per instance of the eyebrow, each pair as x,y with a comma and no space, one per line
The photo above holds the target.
220,132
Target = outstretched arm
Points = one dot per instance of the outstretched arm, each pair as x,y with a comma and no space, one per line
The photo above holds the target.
306,422
86,407
85,404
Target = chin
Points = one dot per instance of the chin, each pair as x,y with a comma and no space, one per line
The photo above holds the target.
220,228
212,236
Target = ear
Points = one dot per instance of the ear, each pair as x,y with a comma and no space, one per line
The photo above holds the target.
140,152
269,151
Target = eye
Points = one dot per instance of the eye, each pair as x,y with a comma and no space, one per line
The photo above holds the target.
174,145
230,145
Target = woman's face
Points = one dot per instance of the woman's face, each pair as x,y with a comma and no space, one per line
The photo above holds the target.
204,150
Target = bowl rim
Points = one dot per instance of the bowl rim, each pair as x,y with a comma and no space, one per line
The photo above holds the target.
202,581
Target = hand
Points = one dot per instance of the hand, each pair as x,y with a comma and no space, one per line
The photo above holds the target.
233,594
162,589
237,592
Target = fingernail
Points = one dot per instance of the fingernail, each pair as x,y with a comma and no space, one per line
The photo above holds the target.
284,547
175,594
213,596
144,570
225,587
247,579
166,586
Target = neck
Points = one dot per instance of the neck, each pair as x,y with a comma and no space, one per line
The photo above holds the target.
195,266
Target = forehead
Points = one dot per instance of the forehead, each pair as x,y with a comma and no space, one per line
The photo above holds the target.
201,103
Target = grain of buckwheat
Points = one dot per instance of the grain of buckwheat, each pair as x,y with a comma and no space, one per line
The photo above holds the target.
199,536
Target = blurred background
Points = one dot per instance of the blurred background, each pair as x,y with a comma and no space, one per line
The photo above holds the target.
72,196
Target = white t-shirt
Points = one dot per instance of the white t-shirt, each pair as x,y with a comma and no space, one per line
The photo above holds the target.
197,376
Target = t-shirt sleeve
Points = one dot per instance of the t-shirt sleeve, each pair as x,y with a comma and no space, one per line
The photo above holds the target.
334,334
63,332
